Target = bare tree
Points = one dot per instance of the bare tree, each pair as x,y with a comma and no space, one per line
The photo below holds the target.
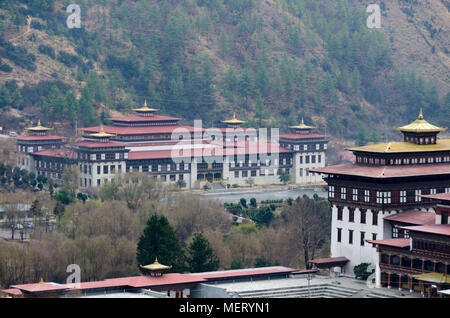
70,178
310,225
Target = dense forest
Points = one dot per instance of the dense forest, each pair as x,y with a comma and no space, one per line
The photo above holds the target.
272,62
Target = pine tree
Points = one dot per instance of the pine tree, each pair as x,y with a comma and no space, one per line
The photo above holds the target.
159,241
201,257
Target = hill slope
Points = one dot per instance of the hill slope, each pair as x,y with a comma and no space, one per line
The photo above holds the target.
271,61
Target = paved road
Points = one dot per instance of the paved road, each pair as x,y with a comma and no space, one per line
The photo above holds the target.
234,195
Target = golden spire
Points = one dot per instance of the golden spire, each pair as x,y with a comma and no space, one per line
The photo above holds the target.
39,127
233,120
41,281
145,108
302,126
156,266
101,133
420,125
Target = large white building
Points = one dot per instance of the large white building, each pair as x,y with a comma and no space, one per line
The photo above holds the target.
387,179
175,153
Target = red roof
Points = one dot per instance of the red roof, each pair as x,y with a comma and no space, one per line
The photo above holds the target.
66,153
439,229
119,130
399,242
12,291
50,137
249,148
385,171
136,118
244,272
339,259
40,287
439,196
302,136
142,281
93,144
413,217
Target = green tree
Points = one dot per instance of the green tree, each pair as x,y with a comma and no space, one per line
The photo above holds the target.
201,257
159,241
284,177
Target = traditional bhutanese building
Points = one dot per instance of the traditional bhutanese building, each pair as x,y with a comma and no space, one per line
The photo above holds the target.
175,153
309,151
380,196
418,257
37,139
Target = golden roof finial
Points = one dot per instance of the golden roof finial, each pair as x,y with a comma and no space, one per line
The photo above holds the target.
41,281
420,125
233,120
145,102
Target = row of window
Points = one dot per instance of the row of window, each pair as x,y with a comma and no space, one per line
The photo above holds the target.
431,246
362,215
310,159
350,237
414,263
380,197
102,156
306,147
267,162
402,161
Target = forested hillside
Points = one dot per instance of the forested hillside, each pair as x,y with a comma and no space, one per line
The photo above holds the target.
271,61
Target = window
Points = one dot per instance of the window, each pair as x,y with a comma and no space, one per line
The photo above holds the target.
98,170
387,197
394,232
350,236
339,213
317,146
319,158
362,238
374,217
236,174
330,188
313,159
418,197
305,147
343,193
339,235
379,197
105,169
374,236
366,195
351,214
306,159
363,216
355,194
403,196
301,159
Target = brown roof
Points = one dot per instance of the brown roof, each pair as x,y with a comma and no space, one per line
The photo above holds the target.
329,260
439,229
399,242
383,172
413,217
136,130
439,196
66,153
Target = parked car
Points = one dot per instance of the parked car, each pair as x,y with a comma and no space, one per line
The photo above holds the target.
13,134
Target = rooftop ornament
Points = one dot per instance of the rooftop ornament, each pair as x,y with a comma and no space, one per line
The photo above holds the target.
156,269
